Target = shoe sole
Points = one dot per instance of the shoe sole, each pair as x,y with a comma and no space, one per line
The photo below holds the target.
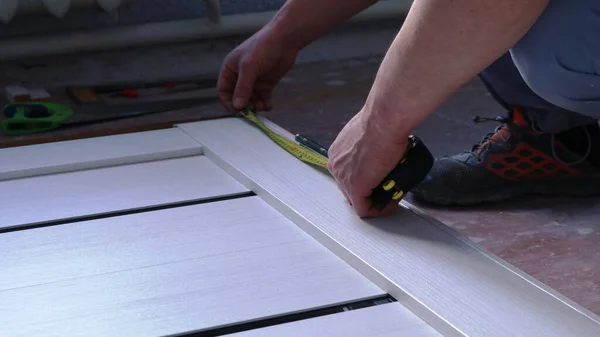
584,188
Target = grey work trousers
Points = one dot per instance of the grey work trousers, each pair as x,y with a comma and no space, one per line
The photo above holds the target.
553,72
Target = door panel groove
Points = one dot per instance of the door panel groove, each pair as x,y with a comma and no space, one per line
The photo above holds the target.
268,322
127,212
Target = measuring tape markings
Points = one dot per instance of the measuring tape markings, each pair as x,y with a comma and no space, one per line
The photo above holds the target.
296,150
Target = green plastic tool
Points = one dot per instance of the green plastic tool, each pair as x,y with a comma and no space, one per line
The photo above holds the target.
26,118
32,117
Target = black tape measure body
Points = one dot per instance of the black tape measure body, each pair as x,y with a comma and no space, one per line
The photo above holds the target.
411,170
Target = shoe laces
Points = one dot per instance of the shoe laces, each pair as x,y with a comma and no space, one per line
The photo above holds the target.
488,139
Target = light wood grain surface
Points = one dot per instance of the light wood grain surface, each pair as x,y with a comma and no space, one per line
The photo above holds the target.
71,195
455,286
25,161
386,320
167,272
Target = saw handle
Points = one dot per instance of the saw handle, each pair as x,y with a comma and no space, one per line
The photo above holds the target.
410,171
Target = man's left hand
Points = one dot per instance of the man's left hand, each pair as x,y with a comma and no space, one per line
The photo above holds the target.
363,154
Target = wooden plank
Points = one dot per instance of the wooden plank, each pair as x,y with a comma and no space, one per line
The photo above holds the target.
71,195
451,283
386,320
166,272
163,120
19,162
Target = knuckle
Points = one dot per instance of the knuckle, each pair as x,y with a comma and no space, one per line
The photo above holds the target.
246,62
230,63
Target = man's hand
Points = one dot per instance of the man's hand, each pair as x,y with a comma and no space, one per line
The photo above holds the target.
251,71
421,69
362,155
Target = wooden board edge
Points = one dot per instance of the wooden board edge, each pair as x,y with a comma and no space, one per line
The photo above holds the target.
192,150
505,264
381,277
86,133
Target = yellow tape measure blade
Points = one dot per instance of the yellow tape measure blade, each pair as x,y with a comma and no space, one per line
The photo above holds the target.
297,150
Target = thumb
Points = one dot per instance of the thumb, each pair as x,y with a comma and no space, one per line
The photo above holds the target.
245,84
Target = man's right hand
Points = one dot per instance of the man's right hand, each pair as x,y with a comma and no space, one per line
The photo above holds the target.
252,70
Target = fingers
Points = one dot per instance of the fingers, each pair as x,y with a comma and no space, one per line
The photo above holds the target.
239,85
364,209
387,211
370,212
344,193
226,85
361,207
262,100
262,96
244,86
236,84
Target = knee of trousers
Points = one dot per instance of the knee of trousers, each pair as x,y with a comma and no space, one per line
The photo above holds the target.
558,82
559,59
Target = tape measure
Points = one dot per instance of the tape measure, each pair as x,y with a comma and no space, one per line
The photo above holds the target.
409,172
297,150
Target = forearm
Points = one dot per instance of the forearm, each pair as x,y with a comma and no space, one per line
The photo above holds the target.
300,22
442,45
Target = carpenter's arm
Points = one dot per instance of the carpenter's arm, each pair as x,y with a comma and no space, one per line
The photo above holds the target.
441,46
299,22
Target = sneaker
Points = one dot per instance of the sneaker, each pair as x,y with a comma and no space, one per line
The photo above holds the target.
516,160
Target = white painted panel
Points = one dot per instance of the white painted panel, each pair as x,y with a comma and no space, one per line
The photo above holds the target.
167,272
453,285
25,161
139,240
386,320
118,188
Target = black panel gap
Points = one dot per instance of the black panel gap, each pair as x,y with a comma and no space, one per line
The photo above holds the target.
127,212
291,318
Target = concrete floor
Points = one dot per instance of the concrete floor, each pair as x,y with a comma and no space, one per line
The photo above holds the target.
556,240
